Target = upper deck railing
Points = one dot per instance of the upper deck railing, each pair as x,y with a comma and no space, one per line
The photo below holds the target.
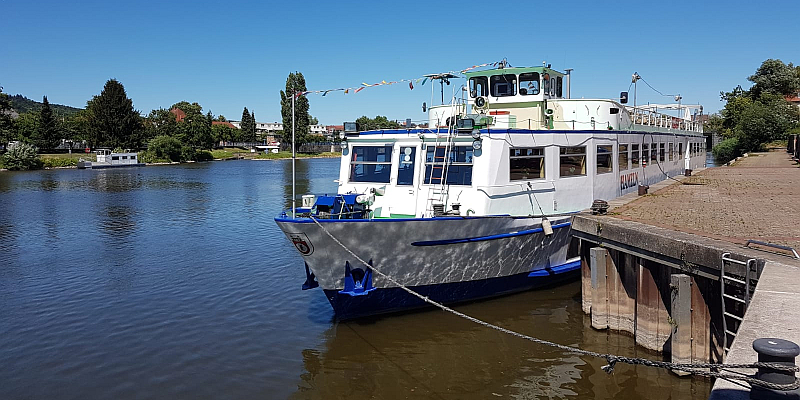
648,117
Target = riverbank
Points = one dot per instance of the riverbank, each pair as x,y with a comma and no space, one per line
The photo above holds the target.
70,161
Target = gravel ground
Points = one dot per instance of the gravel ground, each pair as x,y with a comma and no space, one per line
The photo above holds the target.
756,198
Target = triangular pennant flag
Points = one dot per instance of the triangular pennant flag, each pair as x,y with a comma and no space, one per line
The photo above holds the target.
423,81
346,91
359,89
383,82
411,85
366,84
326,92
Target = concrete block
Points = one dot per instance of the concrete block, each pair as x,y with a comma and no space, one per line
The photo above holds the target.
681,285
599,288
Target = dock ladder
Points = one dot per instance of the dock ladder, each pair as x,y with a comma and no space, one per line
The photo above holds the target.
736,290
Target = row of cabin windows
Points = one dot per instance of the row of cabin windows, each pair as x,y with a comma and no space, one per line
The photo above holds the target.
115,158
374,163
529,163
506,85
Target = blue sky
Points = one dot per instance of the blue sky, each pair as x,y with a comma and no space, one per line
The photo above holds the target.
230,55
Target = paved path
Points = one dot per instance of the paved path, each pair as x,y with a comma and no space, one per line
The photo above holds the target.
756,198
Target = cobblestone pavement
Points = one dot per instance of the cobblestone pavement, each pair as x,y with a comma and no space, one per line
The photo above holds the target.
756,198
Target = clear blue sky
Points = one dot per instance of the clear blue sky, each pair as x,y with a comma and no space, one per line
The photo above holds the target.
230,55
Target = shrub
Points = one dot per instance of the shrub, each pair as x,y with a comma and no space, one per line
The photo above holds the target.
164,148
727,150
21,156
203,155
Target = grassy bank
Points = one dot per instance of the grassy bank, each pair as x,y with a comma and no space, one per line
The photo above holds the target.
288,154
65,160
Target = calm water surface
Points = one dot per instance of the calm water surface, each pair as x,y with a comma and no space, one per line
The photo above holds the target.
174,282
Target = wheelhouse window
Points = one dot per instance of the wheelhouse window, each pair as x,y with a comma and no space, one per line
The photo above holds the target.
371,164
458,165
559,86
478,86
572,161
526,163
635,155
405,169
529,83
503,85
604,163
553,86
622,157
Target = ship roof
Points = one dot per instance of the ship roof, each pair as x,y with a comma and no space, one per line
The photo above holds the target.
513,70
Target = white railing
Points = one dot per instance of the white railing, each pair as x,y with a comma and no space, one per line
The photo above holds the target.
649,117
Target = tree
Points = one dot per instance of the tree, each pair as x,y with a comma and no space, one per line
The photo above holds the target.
379,122
247,126
21,156
6,123
295,84
113,122
26,126
47,134
313,120
195,130
161,122
775,77
765,120
224,133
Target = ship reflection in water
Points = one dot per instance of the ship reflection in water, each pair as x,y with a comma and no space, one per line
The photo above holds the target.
437,355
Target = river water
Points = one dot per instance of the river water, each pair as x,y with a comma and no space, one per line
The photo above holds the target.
174,282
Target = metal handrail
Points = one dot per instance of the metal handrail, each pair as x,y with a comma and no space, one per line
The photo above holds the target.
777,246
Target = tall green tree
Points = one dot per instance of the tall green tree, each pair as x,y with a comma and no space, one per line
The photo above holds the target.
248,126
26,127
48,132
295,83
775,77
161,122
195,129
6,123
113,122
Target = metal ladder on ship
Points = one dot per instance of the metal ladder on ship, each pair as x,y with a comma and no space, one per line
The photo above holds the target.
441,189
736,290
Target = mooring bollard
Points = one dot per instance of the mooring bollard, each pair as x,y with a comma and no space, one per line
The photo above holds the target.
776,351
643,189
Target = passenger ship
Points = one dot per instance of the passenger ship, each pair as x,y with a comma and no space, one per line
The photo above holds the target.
479,204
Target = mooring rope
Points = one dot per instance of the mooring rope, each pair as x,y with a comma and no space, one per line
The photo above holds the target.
694,369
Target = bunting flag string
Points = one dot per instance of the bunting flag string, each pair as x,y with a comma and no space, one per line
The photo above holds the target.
421,81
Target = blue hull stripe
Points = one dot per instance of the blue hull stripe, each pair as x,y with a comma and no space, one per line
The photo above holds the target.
415,132
484,238
558,269
387,300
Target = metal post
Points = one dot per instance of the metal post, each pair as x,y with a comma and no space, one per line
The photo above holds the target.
294,196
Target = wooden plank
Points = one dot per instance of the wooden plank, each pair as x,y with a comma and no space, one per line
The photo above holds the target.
586,278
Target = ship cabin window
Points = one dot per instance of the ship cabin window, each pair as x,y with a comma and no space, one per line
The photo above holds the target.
529,83
458,165
371,164
405,169
133,157
645,153
503,85
604,160
478,86
654,153
559,86
553,86
661,152
635,155
680,151
622,157
526,164
672,151
115,157
572,161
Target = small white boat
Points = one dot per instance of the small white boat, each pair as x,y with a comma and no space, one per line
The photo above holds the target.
108,159
479,203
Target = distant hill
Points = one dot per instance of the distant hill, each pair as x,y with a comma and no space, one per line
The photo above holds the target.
23,104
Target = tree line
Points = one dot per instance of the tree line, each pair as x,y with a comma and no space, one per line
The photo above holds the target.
752,118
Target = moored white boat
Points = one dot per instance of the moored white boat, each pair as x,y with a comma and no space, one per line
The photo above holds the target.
109,159
478,204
